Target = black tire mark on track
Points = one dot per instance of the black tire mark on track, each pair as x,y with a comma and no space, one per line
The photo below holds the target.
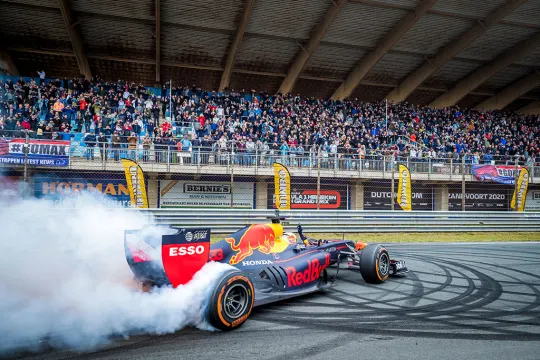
458,309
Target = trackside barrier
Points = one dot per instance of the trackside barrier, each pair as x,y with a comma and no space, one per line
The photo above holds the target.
347,221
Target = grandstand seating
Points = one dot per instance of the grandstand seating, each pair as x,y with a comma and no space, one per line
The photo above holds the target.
286,124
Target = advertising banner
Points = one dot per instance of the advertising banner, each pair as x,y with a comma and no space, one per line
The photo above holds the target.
9,188
502,174
479,197
304,196
205,194
520,192
377,196
404,188
135,182
60,188
282,186
40,152
533,200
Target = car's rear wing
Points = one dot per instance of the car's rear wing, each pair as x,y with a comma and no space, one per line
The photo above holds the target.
166,255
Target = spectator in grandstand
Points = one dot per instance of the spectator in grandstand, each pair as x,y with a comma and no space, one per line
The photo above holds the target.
132,145
160,149
146,144
103,144
116,144
287,125
90,141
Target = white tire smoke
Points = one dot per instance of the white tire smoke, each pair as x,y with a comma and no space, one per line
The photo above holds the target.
64,277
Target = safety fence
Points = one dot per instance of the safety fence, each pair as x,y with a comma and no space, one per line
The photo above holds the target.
229,179
314,221
172,153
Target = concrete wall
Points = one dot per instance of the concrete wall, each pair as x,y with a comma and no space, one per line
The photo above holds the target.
441,198
152,191
357,197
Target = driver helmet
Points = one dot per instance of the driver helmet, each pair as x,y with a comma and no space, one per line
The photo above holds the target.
289,237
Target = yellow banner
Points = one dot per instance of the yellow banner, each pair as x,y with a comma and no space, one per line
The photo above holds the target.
282,186
135,182
404,198
520,191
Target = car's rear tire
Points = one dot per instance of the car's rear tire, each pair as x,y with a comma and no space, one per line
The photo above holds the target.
374,264
231,301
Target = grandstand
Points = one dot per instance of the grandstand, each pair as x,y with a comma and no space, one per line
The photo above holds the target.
460,77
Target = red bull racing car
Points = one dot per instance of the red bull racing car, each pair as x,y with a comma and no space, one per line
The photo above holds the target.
267,265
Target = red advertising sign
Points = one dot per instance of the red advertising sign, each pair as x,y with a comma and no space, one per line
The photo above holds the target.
304,196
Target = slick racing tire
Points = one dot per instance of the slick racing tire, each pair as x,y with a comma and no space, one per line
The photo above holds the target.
231,301
374,264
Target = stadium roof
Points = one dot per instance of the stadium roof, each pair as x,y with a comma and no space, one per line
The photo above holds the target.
469,52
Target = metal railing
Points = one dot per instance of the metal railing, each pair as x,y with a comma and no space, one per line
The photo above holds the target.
230,153
349,221
378,165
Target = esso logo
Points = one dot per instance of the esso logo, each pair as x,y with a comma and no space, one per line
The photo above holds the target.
186,250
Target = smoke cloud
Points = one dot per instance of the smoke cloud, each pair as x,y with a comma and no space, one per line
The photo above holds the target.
64,278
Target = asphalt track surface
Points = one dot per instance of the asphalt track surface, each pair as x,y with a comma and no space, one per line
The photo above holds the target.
459,301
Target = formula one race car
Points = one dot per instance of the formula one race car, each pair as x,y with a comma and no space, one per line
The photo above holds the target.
268,265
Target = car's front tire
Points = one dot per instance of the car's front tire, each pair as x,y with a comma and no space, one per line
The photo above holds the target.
231,301
374,264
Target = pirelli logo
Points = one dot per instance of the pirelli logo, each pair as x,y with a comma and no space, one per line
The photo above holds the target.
207,188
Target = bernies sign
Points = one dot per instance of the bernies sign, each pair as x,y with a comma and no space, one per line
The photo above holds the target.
205,194
192,188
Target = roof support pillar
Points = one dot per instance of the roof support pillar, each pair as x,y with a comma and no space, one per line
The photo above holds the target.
448,52
478,77
158,41
7,64
313,43
239,36
531,109
511,93
368,62
76,38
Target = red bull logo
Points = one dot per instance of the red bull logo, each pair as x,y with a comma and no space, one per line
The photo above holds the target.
312,273
257,237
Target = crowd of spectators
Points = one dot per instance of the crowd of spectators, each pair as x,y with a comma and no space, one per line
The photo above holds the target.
125,115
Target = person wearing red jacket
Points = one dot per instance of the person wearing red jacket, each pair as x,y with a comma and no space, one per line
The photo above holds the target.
166,126
25,124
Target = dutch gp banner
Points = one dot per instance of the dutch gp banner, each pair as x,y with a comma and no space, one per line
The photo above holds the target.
282,187
135,182
503,174
40,152
404,197
520,192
